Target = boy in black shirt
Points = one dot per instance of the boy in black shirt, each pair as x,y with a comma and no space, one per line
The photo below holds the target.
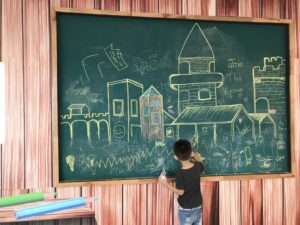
187,184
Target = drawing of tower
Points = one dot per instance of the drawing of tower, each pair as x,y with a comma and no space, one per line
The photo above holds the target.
269,87
196,81
123,108
151,111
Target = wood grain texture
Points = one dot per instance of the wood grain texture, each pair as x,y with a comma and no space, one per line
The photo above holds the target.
251,190
230,202
296,194
25,50
135,204
37,93
13,158
251,202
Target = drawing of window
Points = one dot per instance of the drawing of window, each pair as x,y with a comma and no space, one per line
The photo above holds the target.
158,102
204,94
152,103
134,107
262,105
156,118
170,132
118,107
146,111
184,67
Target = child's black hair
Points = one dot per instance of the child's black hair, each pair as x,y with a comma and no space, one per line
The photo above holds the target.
182,149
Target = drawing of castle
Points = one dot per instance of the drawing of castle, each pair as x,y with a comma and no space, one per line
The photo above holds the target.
133,112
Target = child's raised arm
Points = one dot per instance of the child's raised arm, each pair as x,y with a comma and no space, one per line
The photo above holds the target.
197,157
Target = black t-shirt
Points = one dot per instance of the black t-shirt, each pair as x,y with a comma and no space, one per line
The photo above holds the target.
189,181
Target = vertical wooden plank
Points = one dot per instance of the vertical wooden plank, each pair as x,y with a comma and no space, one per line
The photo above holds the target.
145,6
12,56
297,153
191,7
170,6
272,189
113,5
251,202
251,190
220,8
249,8
37,93
5,94
69,192
230,201
125,5
87,4
109,206
272,202
210,194
270,8
292,11
135,204
160,205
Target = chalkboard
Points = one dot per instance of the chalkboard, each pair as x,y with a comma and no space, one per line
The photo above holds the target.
126,87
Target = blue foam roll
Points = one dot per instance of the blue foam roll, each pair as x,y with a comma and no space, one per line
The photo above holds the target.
48,208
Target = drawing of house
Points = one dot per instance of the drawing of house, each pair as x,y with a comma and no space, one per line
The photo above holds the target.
264,125
152,115
215,124
123,108
78,110
196,81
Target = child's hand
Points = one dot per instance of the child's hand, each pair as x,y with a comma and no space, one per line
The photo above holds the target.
162,179
193,154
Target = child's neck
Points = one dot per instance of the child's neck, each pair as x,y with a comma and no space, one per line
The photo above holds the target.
187,164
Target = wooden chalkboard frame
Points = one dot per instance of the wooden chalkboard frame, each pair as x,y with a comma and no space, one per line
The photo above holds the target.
292,91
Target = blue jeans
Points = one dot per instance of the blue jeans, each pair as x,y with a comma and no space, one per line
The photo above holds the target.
190,216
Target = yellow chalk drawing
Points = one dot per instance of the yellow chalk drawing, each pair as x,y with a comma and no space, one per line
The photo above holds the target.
136,157
128,91
269,84
70,159
118,107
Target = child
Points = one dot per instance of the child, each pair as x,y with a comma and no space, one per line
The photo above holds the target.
187,184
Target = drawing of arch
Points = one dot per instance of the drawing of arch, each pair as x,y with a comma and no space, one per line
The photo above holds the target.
262,105
65,129
104,130
78,128
94,131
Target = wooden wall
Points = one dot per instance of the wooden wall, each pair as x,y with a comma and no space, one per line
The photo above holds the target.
25,159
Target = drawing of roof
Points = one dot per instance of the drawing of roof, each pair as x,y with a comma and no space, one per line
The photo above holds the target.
77,106
261,116
168,119
129,81
210,114
151,91
196,45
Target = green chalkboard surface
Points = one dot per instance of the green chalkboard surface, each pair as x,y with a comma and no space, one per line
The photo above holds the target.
128,87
